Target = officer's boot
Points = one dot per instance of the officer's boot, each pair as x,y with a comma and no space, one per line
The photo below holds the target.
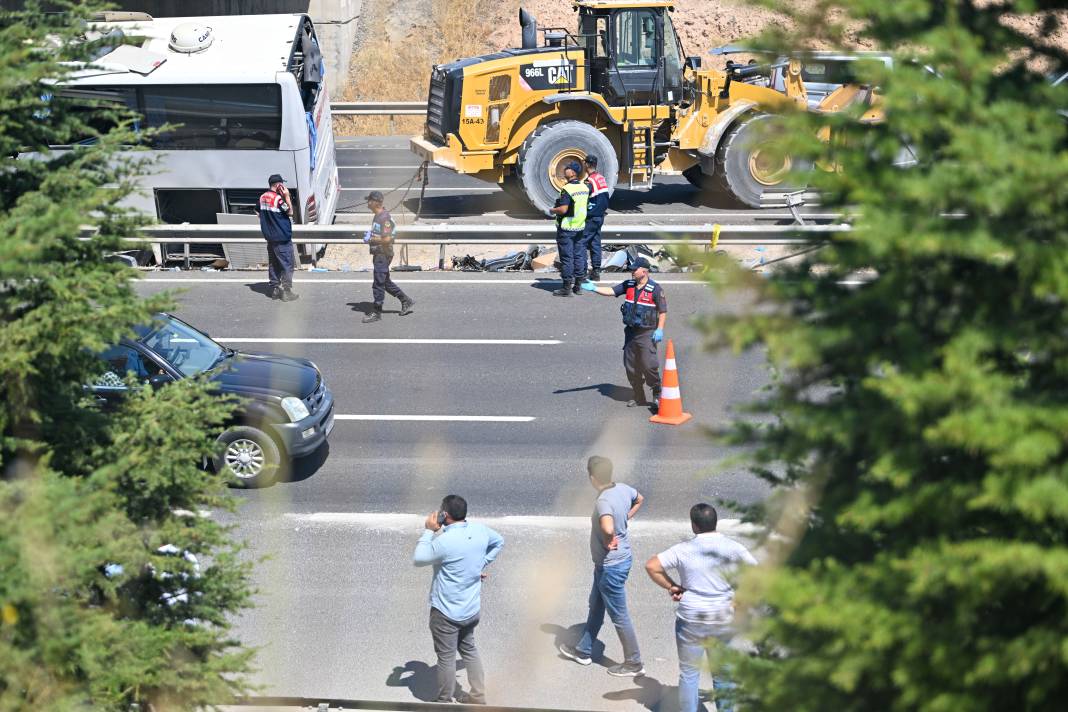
276,292
577,289
595,275
406,306
375,315
565,289
288,295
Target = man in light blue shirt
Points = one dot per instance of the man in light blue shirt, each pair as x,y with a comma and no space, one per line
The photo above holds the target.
460,553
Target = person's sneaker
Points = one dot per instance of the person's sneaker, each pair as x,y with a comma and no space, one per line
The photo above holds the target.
627,670
406,307
288,295
569,652
634,403
372,317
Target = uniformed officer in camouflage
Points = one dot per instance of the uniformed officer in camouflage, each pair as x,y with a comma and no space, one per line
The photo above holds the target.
380,239
644,315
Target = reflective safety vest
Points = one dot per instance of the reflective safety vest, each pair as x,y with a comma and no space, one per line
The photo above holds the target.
639,305
580,198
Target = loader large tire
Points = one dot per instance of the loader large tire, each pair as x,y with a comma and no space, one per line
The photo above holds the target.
745,171
550,147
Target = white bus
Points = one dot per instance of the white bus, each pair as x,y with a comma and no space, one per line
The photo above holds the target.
250,100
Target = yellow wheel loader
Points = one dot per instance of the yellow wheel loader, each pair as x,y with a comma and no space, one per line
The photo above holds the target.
621,88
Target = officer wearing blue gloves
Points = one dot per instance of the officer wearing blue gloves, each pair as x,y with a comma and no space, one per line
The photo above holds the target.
644,314
380,239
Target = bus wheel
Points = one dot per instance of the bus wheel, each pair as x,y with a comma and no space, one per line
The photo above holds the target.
548,150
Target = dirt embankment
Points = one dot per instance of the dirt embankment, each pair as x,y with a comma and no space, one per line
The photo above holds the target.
400,40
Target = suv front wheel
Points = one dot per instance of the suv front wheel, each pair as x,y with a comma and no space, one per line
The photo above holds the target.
247,456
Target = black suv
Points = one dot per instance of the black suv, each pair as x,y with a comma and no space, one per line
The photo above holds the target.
285,410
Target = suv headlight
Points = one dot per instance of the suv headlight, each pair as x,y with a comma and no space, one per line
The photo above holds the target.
295,408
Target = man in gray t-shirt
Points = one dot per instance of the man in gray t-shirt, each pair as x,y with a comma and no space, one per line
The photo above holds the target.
610,548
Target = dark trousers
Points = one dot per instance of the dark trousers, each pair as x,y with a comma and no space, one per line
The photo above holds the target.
641,362
591,237
383,283
280,264
451,637
572,254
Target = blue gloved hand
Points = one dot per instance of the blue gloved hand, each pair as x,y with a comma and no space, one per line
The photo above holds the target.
588,286
658,336
367,236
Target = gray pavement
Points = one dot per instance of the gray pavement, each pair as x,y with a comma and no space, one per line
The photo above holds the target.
385,163
342,611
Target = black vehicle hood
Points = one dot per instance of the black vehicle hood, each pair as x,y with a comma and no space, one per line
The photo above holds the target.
266,374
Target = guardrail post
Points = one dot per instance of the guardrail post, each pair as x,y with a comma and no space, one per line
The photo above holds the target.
441,257
185,254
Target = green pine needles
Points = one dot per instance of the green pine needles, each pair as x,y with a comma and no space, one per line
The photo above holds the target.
917,427
115,588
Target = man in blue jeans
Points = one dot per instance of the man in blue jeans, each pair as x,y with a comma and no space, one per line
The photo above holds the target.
616,504
705,597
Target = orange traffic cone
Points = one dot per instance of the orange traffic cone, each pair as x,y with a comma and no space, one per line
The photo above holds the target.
669,411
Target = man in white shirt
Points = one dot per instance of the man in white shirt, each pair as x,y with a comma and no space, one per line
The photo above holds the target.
704,595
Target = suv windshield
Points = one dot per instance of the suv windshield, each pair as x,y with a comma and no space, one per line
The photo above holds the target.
185,348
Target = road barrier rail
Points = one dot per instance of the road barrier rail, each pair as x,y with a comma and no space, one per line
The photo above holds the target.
378,108
705,236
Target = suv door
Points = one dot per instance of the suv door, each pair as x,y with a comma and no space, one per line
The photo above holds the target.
120,361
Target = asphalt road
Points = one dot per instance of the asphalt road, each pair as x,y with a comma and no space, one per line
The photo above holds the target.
341,606
385,163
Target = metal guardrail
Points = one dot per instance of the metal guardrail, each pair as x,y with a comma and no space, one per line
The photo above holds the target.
501,234
378,108
704,236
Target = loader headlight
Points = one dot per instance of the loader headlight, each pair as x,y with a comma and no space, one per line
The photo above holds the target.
294,408
494,115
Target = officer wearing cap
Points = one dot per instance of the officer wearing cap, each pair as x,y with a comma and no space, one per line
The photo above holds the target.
570,214
380,239
644,315
276,224
598,206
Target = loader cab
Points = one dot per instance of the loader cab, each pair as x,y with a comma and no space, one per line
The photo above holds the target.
634,55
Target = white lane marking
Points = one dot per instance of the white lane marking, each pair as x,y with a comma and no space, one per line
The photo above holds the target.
337,280
443,418
397,521
458,342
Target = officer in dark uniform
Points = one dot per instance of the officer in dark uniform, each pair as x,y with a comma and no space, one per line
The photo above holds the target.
380,239
644,314
570,214
599,196
276,224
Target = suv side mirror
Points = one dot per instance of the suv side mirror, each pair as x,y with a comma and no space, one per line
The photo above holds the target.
693,63
160,379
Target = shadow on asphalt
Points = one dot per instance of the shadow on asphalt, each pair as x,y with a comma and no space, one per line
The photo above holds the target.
366,308
263,288
649,693
571,635
621,394
420,679
306,466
